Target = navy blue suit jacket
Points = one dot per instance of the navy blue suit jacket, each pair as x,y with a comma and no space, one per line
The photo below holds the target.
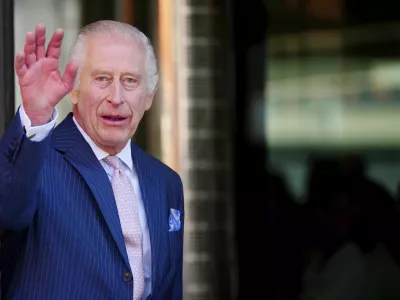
61,236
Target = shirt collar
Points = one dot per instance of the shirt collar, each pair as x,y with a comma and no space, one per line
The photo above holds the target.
125,155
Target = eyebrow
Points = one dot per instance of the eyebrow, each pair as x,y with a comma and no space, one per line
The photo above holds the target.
100,71
109,72
133,74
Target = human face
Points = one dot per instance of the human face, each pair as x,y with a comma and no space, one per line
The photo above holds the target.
112,95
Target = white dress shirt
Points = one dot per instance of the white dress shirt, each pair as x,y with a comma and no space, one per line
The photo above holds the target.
40,132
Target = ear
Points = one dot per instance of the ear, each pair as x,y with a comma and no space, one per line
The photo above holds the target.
149,100
74,96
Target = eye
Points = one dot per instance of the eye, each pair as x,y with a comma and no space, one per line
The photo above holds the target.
102,79
130,81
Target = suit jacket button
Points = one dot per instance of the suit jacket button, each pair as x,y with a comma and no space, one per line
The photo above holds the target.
127,277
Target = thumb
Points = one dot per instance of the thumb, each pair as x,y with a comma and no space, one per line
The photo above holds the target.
70,73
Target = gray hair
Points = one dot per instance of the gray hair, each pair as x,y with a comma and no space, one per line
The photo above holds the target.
117,29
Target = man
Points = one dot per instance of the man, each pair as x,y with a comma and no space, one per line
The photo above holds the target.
85,213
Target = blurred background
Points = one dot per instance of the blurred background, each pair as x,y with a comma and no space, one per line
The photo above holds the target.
282,118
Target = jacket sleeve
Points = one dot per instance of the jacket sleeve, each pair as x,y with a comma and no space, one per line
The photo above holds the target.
21,159
178,283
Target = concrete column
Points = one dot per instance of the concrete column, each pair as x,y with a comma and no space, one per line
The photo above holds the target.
205,156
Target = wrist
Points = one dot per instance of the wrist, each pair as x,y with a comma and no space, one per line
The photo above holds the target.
39,119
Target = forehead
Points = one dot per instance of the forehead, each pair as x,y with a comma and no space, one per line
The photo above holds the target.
114,52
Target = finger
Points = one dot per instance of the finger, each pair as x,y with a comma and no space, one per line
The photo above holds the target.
30,56
54,48
19,64
40,39
70,73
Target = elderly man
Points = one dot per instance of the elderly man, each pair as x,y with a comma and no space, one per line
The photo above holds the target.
85,213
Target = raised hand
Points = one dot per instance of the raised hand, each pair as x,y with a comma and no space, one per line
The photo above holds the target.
39,77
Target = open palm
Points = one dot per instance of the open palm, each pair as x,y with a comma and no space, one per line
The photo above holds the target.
41,84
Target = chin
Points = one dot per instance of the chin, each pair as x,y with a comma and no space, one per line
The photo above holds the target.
113,137
114,140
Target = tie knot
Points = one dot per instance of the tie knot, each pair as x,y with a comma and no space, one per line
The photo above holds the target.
113,161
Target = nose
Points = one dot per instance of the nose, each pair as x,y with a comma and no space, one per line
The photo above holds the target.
116,93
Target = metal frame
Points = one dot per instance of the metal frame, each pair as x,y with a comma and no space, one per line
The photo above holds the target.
7,94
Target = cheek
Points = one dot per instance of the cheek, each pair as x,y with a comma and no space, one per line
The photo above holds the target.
97,94
137,103
93,97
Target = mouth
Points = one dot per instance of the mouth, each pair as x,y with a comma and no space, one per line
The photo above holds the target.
114,120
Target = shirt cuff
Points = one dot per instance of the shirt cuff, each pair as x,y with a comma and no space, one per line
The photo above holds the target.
37,133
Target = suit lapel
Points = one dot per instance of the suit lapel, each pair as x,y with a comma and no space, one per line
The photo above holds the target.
156,210
69,141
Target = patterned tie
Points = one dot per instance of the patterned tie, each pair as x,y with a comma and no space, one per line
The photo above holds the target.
129,217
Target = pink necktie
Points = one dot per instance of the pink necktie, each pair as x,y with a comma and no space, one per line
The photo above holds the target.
129,217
